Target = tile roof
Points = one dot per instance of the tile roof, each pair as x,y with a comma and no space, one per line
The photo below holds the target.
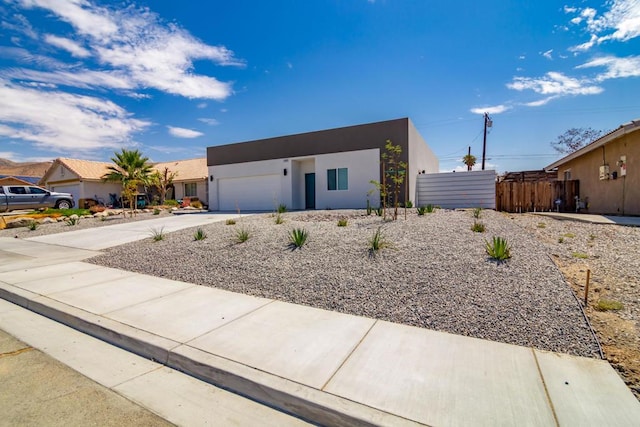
187,170
85,169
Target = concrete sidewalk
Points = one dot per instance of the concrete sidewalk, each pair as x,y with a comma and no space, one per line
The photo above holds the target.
119,234
632,221
325,367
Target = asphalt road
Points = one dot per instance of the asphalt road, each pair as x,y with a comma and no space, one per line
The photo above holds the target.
37,390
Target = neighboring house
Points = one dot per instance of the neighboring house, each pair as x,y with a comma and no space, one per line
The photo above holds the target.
18,180
191,178
83,178
608,170
327,169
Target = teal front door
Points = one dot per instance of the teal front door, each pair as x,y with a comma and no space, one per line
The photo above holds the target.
309,190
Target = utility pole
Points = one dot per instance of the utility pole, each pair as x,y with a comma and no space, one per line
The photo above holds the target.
487,124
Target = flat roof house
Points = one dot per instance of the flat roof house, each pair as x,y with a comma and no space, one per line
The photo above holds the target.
327,169
608,170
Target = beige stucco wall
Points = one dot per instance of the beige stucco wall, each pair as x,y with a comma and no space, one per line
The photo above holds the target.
619,196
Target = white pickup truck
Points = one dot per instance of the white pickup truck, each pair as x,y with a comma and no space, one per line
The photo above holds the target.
14,197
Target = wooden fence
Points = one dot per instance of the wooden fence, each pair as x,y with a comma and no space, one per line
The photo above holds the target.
537,196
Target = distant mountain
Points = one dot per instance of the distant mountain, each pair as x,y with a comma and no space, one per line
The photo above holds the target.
8,167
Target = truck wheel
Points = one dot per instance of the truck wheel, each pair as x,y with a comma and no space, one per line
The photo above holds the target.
63,204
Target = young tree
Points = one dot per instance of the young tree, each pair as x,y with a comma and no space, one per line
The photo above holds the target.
469,160
394,172
162,180
130,169
574,139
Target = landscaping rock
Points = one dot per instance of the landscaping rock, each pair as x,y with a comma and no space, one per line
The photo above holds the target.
48,220
18,222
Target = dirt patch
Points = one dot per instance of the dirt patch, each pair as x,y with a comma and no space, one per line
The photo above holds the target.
610,252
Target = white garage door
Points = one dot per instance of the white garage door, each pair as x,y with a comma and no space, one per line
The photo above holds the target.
73,189
249,194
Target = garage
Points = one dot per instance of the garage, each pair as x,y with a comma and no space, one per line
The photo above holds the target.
73,189
252,193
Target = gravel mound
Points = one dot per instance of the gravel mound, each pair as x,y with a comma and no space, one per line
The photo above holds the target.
435,273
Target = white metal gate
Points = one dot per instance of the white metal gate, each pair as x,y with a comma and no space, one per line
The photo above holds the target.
475,189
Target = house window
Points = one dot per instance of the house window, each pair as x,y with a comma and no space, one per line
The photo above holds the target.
191,189
567,175
337,179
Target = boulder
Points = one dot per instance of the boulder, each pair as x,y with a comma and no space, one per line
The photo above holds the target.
18,222
74,217
48,220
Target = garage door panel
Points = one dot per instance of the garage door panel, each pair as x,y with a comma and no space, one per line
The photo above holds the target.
249,193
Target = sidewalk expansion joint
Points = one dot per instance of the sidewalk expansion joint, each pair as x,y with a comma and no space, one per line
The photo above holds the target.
546,390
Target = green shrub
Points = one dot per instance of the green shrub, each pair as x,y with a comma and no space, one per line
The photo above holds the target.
542,225
369,208
231,221
498,249
561,239
72,221
171,202
197,204
477,212
377,242
156,211
32,225
607,305
242,235
569,235
378,211
199,234
478,227
282,208
298,237
580,255
342,222
409,204
425,209
157,234
279,220
66,212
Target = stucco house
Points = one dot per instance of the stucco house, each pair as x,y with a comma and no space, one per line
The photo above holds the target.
18,180
326,169
83,179
608,170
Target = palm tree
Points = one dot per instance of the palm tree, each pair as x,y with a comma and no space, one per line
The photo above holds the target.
469,160
130,169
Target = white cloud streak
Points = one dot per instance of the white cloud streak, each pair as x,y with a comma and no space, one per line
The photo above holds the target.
615,67
67,44
183,133
209,121
555,83
496,109
63,121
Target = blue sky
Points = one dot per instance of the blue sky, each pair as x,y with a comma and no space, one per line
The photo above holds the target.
83,78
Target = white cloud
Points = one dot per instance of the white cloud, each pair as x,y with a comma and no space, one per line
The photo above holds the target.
183,133
202,105
496,109
547,54
67,44
621,22
85,79
615,67
522,57
21,25
136,43
555,83
540,102
568,9
209,121
289,65
63,121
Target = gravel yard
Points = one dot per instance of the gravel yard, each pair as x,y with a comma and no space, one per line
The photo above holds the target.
435,273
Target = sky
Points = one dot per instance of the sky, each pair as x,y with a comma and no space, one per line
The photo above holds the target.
85,78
